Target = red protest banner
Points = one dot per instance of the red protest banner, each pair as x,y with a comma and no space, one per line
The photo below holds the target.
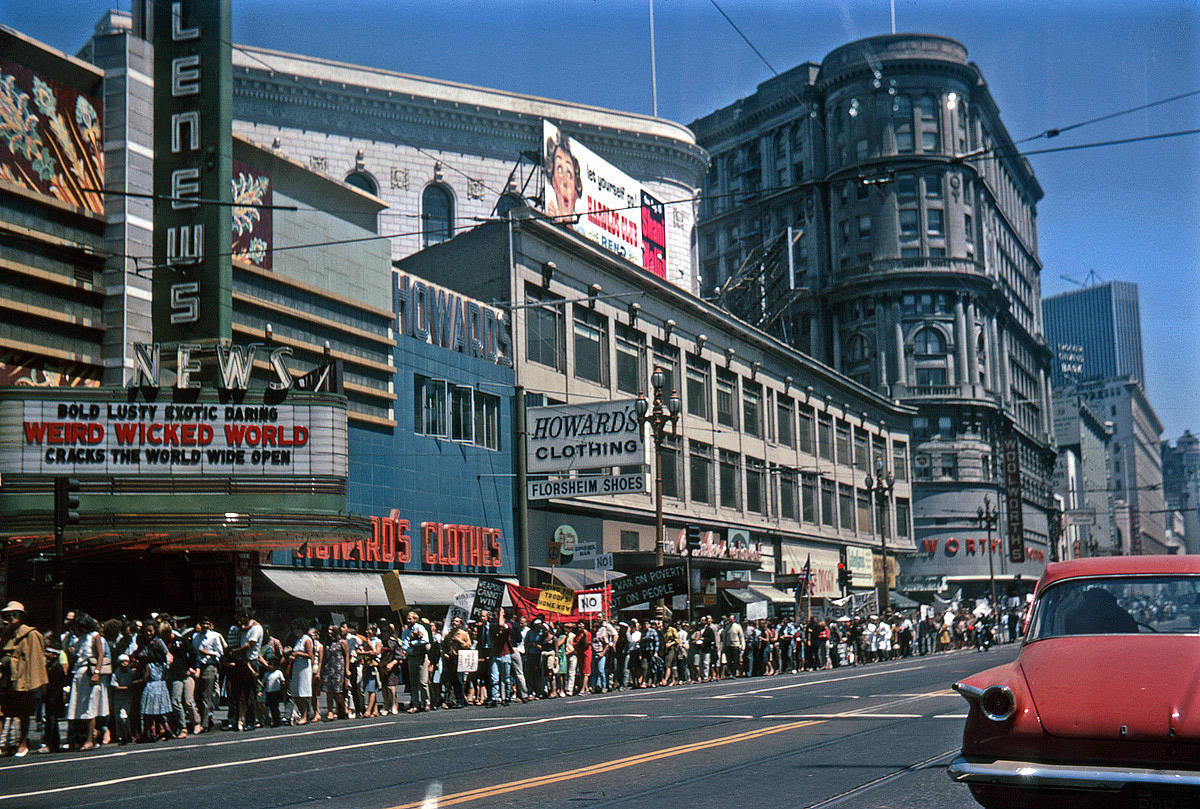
525,601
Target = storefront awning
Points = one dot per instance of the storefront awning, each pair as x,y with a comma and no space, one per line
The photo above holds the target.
746,595
772,594
328,588
580,578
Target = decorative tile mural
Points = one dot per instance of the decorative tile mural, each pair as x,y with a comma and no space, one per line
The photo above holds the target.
251,224
51,136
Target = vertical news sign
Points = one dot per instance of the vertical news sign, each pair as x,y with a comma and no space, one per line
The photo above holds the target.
193,112
1010,447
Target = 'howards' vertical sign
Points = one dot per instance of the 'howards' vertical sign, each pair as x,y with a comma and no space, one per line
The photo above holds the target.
193,110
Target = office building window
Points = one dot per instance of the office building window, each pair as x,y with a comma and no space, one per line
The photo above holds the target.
908,222
785,417
843,444
756,500
808,499
629,540
933,186
934,224
906,188
828,503
902,518
846,504
462,414
864,227
699,391
487,420
902,124
726,399
430,407
864,512
545,328
730,480
825,436
860,451
671,457
591,346
752,408
700,460
787,495
666,357
631,360
900,460
804,429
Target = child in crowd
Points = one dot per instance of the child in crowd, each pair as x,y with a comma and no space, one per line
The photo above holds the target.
273,692
122,699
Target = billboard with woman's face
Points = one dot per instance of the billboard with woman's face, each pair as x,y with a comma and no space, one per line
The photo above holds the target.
591,196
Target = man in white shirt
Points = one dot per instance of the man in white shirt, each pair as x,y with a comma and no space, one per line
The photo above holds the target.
415,642
244,672
210,647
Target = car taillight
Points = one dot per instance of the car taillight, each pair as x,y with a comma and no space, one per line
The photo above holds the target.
997,703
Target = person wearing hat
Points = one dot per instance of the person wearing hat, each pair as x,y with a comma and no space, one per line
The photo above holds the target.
22,675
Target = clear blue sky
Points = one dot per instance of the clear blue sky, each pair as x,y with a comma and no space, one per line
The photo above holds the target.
1127,212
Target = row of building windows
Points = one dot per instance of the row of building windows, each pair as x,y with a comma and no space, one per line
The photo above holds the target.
454,412
710,394
732,481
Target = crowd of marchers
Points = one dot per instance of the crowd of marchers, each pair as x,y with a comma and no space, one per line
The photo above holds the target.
124,681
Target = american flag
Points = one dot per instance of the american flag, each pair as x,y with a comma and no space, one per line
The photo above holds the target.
807,576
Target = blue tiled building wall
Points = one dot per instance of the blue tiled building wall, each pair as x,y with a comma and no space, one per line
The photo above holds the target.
430,479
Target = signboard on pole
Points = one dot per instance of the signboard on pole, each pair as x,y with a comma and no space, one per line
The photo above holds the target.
394,590
562,438
603,562
590,602
1014,509
756,611
488,594
587,486
644,587
560,600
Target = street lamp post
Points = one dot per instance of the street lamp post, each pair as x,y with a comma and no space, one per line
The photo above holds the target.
882,486
989,518
658,417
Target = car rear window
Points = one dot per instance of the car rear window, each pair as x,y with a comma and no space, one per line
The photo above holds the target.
1118,605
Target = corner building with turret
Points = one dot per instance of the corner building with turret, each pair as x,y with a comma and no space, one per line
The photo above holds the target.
873,212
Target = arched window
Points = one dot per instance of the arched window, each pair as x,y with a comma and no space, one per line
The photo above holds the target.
858,349
929,342
362,181
902,124
437,214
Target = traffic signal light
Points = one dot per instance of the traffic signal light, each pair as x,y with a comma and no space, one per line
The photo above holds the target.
66,502
693,538
845,577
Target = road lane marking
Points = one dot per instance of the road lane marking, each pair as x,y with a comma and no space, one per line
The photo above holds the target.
811,683
951,716
848,715
604,767
300,754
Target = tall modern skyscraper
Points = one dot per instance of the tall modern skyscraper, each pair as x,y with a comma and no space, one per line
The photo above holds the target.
1095,333
872,211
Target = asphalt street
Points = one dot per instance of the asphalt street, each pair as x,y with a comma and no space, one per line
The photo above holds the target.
871,736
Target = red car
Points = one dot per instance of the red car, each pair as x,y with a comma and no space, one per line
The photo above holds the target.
1102,705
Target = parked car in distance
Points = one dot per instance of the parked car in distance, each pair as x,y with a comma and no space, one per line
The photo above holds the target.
1101,708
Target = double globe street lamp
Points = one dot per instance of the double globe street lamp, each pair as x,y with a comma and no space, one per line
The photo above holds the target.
989,518
658,415
881,487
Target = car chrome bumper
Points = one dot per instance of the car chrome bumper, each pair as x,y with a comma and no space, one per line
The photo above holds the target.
1066,776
